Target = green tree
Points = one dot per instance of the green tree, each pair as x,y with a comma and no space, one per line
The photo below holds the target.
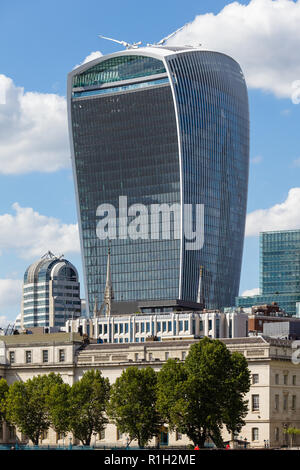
88,398
3,396
27,406
132,406
292,432
58,402
195,397
237,384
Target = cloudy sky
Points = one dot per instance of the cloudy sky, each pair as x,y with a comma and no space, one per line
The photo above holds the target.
42,41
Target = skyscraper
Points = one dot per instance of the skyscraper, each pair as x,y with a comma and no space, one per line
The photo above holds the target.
51,293
161,125
279,271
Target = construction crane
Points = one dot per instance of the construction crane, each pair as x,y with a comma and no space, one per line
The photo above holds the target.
135,45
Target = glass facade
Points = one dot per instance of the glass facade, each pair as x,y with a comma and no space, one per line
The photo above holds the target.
214,130
134,133
279,271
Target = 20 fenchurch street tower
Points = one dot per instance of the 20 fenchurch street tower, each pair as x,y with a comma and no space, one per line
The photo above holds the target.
161,125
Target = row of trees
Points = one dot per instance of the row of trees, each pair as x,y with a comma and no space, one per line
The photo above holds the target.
197,398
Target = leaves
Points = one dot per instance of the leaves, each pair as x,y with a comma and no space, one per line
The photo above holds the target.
27,405
87,404
132,405
198,397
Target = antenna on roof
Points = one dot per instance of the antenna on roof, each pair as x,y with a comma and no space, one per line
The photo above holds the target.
48,255
135,45
162,41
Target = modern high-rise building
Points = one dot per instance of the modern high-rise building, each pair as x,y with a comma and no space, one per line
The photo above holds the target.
279,271
161,125
51,293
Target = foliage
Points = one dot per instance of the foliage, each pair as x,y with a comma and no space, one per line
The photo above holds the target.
58,402
206,392
3,396
132,405
27,406
238,384
87,402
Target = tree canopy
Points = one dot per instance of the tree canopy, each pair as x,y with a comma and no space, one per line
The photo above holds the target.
3,396
132,405
205,393
87,404
27,405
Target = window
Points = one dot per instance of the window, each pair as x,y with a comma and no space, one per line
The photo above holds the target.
166,356
61,355
136,356
150,357
277,379
276,434
178,436
255,402
255,378
294,380
119,435
294,398
285,379
183,355
12,357
102,435
121,327
201,325
276,402
255,434
45,355
285,402
28,357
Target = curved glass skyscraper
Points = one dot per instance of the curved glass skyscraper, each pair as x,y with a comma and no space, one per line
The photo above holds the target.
161,125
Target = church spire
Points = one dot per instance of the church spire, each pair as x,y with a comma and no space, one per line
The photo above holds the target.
108,292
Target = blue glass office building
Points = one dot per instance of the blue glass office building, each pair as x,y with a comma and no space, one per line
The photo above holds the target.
279,271
162,125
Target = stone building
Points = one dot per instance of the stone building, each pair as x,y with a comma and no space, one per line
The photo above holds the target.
274,397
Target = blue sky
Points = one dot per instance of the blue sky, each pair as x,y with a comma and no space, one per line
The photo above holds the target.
42,41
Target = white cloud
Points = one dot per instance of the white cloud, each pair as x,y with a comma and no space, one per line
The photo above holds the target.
283,216
33,130
92,56
263,36
31,234
10,297
251,292
256,160
296,163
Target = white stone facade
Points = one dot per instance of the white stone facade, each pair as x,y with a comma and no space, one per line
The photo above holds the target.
274,397
137,328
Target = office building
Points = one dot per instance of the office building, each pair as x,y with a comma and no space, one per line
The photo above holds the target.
51,293
279,271
273,398
159,126
162,326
